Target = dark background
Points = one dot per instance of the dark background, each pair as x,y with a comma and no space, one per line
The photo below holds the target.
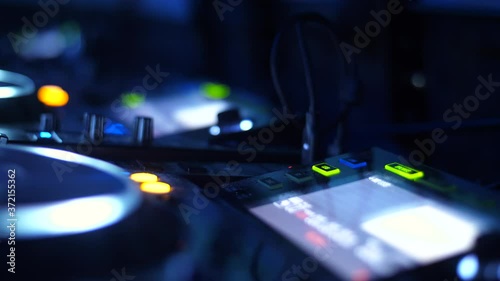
427,59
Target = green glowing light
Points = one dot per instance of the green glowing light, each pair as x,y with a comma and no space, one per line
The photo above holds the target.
215,91
404,171
132,100
325,169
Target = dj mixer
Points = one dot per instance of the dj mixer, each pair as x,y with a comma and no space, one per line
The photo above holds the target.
357,216
199,182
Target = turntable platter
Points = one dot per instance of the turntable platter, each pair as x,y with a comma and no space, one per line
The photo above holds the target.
54,192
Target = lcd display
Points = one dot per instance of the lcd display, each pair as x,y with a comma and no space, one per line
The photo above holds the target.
371,228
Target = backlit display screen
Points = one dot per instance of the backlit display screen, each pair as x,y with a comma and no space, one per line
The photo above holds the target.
371,228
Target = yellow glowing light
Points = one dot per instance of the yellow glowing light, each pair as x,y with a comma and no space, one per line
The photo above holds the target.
156,187
53,96
144,177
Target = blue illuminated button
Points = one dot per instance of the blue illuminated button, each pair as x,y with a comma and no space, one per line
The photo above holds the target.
270,183
299,176
325,169
45,135
352,162
404,171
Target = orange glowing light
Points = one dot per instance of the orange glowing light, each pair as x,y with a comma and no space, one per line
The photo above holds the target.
156,187
53,96
144,177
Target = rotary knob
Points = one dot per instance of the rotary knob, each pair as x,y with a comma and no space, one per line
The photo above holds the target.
48,123
94,127
143,130
3,138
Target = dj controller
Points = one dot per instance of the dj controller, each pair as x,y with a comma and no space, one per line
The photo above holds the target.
249,140
200,182
87,206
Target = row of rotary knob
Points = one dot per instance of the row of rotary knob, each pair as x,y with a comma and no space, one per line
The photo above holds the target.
94,127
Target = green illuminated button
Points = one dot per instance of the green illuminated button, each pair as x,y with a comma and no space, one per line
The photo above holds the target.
404,171
270,183
325,169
